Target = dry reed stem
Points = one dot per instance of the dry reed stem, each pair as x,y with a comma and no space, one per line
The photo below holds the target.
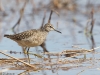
21,15
45,68
34,68
56,12
50,16
43,20
26,71
54,61
68,52
92,22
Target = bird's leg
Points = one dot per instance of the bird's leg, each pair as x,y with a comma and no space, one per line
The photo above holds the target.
24,50
28,49
28,54
44,48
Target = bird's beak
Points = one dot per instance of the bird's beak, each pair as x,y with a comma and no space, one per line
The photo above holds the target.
57,31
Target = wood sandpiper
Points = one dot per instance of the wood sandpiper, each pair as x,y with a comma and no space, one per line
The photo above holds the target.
32,38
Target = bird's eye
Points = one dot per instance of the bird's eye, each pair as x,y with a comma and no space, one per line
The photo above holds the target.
51,26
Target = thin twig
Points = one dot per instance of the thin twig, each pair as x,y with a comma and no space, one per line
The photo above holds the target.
43,20
50,16
92,22
21,15
34,68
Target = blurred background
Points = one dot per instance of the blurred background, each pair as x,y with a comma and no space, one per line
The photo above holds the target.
78,20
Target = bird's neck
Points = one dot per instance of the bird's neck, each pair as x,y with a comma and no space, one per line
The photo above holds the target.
45,30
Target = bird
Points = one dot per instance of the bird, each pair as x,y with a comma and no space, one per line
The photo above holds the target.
33,37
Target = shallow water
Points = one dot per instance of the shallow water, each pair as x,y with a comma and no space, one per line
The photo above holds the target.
71,24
